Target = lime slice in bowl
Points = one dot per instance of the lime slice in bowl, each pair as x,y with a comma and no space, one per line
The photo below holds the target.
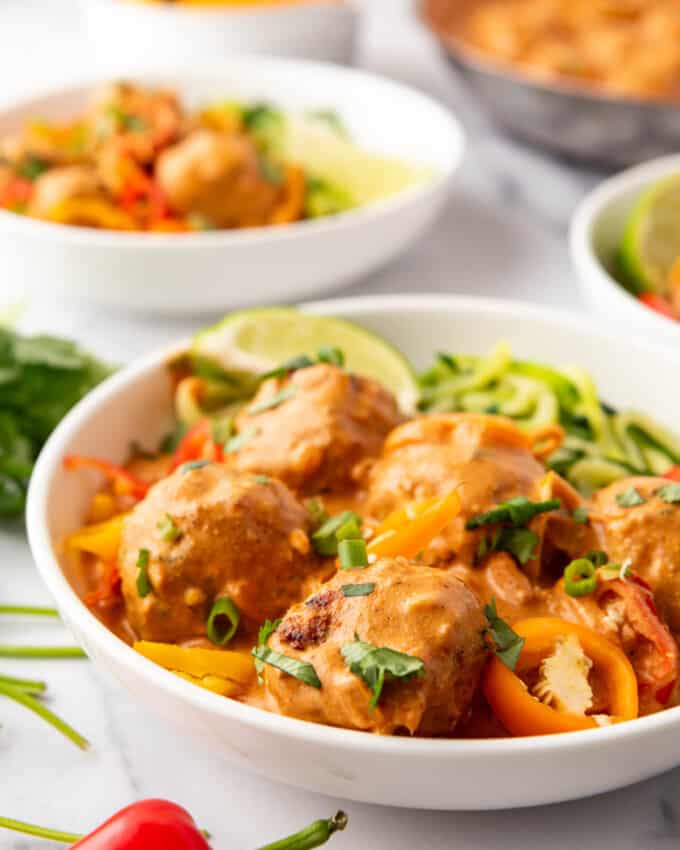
651,239
257,340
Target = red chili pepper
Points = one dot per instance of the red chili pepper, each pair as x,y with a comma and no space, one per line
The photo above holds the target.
658,303
193,444
136,486
161,825
673,473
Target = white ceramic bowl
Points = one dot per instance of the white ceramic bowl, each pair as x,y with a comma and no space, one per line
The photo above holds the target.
595,234
415,773
214,270
306,30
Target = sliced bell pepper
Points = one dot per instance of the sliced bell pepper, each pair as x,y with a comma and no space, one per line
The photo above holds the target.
408,530
522,714
673,473
129,482
108,591
235,666
195,443
91,212
292,205
658,303
102,539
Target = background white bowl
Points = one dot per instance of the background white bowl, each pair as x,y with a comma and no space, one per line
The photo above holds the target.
175,33
413,773
214,270
595,235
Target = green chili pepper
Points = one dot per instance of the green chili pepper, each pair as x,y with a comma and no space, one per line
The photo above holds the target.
312,836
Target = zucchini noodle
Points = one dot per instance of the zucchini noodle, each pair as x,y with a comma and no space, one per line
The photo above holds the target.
600,446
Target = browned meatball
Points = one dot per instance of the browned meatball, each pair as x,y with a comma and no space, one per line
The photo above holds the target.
217,175
646,536
64,184
416,610
315,438
235,536
489,460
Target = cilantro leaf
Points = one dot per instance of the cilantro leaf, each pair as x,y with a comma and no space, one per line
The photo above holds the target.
517,512
265,631
301,670
580,515
376,664
507,644
629,498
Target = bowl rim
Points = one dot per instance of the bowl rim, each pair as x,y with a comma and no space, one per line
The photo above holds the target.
440,178
470,55
585,217
174,687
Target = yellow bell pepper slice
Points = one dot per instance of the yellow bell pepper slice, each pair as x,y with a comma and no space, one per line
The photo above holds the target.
102,539
410,529
91,212
216,684
197,662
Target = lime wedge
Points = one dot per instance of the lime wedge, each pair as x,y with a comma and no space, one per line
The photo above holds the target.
651,239
328,155
257,340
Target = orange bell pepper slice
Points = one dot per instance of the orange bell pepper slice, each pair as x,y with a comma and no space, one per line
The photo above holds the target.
408,530
522,714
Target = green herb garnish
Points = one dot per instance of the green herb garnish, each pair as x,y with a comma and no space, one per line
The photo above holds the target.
580,577
193,464
669,493
629,498
32,167
517,512
168,529
332,355
352,553
301,670
292,365
265,631
507,644
376,664
325,539
260,479
316,511
237,442
223,621
143,582
358,589
274,400
597,556
520,542
580,515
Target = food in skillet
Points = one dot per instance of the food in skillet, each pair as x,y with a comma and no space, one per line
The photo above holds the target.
138,160
621,48
500,562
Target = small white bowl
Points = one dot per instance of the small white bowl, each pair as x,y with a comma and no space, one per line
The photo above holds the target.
211,271
594,237
173,32
410,772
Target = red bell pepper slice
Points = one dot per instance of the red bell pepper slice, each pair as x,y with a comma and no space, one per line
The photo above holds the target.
109,590
673,473
112,471
193,444
659,304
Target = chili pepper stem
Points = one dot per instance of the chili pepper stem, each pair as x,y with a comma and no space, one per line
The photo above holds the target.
23,698
311,836
39,831
41,652
29,610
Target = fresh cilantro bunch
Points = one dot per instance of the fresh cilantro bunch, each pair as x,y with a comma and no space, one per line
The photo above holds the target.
41,378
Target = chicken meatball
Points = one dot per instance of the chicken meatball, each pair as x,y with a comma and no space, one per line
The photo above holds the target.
218,176
329,422
64,184
646,536
415,610
210,532
489,460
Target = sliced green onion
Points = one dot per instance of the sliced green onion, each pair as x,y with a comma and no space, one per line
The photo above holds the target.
219,632
302,361
350,530
358,589
324,538
580,577
31,686
143,583
352,553
301,670
317,512
274,400
193,464
168,529
629,498
597,557
580,515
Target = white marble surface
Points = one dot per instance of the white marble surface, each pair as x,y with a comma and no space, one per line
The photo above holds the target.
503,234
